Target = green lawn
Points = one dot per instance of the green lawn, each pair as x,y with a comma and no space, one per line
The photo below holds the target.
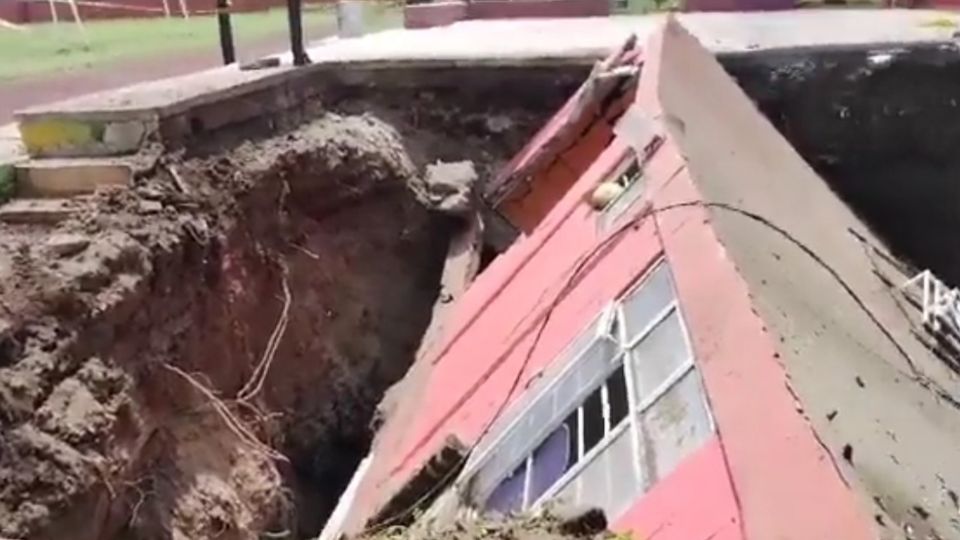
49,48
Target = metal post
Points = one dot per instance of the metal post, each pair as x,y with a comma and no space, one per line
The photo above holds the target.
295,18
226,32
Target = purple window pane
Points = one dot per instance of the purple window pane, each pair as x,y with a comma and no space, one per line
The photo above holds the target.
550,460
507,498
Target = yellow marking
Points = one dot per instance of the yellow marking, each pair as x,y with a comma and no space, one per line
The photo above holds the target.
46,135
940,22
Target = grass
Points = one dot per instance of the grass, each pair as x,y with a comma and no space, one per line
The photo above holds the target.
50,48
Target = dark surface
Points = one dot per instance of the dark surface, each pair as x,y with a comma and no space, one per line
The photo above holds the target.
882,130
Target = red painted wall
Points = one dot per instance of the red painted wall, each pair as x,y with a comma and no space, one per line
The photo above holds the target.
491,336
533,202
696,501
765,475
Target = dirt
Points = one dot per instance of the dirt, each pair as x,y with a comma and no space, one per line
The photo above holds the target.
584,524
200,356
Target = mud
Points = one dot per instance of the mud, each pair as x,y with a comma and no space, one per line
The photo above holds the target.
201,356
882,126
588,524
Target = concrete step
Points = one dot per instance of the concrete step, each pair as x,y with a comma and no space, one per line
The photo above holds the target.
69,177
37,211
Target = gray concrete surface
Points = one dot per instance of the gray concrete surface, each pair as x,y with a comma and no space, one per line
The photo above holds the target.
861,377
536,41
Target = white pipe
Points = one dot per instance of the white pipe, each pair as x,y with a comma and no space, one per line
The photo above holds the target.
332,529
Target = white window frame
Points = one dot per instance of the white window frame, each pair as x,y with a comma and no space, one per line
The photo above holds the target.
603,322
624,359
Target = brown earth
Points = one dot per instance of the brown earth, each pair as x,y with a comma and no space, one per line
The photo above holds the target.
201,356
127,326
582,524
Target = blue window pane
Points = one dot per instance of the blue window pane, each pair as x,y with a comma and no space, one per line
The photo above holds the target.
550,460
507,498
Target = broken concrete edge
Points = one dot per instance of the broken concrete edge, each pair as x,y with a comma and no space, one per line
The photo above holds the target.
425,485
52,131
63,110
37,211
65,178
773,53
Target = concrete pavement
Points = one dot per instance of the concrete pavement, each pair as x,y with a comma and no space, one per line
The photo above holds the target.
118,121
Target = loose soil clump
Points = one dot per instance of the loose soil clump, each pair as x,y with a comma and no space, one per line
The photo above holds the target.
200,356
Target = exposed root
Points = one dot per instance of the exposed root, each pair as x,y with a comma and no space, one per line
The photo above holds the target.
259,376
233,423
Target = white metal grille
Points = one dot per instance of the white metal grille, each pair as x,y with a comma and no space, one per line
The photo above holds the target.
621,416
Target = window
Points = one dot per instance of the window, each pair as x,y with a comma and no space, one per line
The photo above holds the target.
624,412
631,181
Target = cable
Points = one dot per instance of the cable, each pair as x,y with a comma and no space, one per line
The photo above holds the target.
578,267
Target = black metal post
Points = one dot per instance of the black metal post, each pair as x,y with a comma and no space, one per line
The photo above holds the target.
295,18
226,32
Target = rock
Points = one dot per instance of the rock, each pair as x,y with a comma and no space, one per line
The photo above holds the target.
67,244
604,194
150,207
449,187
36,211
581,522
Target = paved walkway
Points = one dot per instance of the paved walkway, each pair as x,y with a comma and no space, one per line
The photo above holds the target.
515,41
20,94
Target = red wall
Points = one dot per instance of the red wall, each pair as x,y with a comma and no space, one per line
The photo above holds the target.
493,330
765,474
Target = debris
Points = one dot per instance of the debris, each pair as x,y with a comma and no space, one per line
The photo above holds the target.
848,453
36,211
261,63
832,414
151,207
581,521
178,180
449,187
604,194
424,486
66,244
860,382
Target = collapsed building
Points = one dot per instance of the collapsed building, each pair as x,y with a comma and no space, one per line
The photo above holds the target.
710,295
695,331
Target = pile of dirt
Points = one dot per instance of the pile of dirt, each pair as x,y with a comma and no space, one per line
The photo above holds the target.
584,525
199,356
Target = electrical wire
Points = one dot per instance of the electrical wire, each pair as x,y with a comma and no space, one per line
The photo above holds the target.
581,264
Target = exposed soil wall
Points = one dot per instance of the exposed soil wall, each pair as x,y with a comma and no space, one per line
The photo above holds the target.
882,126
201,356
106,427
